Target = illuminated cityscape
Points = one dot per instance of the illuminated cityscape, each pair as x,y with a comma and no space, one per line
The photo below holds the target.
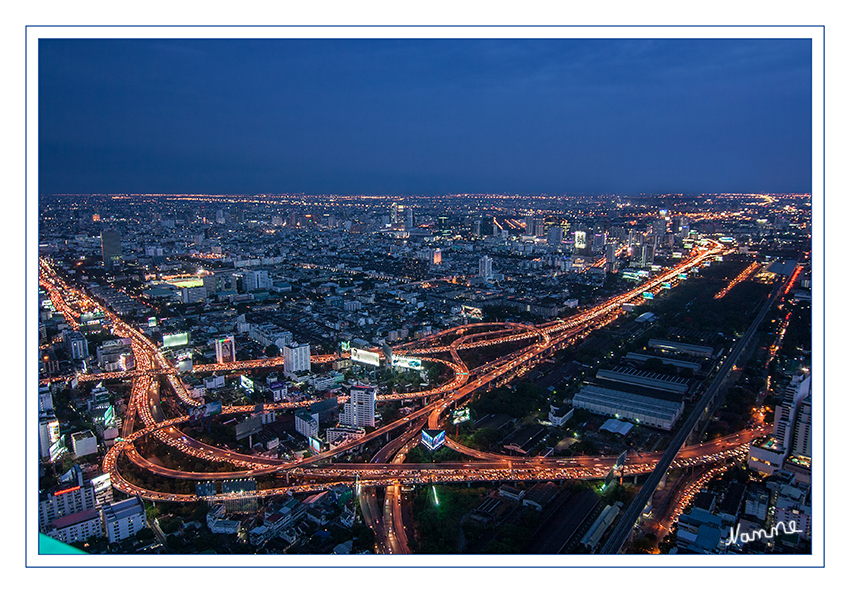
610,355
423,380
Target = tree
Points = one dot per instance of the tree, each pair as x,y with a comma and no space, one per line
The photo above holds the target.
272,351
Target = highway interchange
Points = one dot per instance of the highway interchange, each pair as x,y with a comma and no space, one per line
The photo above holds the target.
144,415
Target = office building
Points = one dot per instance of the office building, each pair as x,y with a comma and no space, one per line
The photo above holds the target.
83,443
359,410
48,433
539,227
802,443
611,257
257,280
598,242
555,236
307,423
123,519
110,248
296,358
786,413
45,398
485,267
210,284
193,294
647,255
75,344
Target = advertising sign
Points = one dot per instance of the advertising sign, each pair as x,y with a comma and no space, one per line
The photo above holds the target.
366,357
621,460
407,363
246,383
315,444
210,409
474,312
648,295
172,340
433,439
461,415
248,427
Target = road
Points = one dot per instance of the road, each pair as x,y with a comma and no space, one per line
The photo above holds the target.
144,406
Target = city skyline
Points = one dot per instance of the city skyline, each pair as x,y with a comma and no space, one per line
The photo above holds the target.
547,298
425,116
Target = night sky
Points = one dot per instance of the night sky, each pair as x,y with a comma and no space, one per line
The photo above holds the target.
427,117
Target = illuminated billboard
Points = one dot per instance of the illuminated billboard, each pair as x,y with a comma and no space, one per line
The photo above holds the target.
246,383
172,340
683,276
210,409
666,285
366,357
461,415
433,439
225,350
474,312
109,415
315,444
344,346
648,295
580,239
407,363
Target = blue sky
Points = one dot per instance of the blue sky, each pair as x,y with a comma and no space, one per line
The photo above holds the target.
537,116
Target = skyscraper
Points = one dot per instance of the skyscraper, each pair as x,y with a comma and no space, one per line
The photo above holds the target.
802,444
476,227
257,280
296,358
359,410
539,227
110,247
485,267
647,255
611,257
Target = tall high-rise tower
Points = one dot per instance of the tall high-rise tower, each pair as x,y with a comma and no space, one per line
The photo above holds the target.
110,247
485,267
359,410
